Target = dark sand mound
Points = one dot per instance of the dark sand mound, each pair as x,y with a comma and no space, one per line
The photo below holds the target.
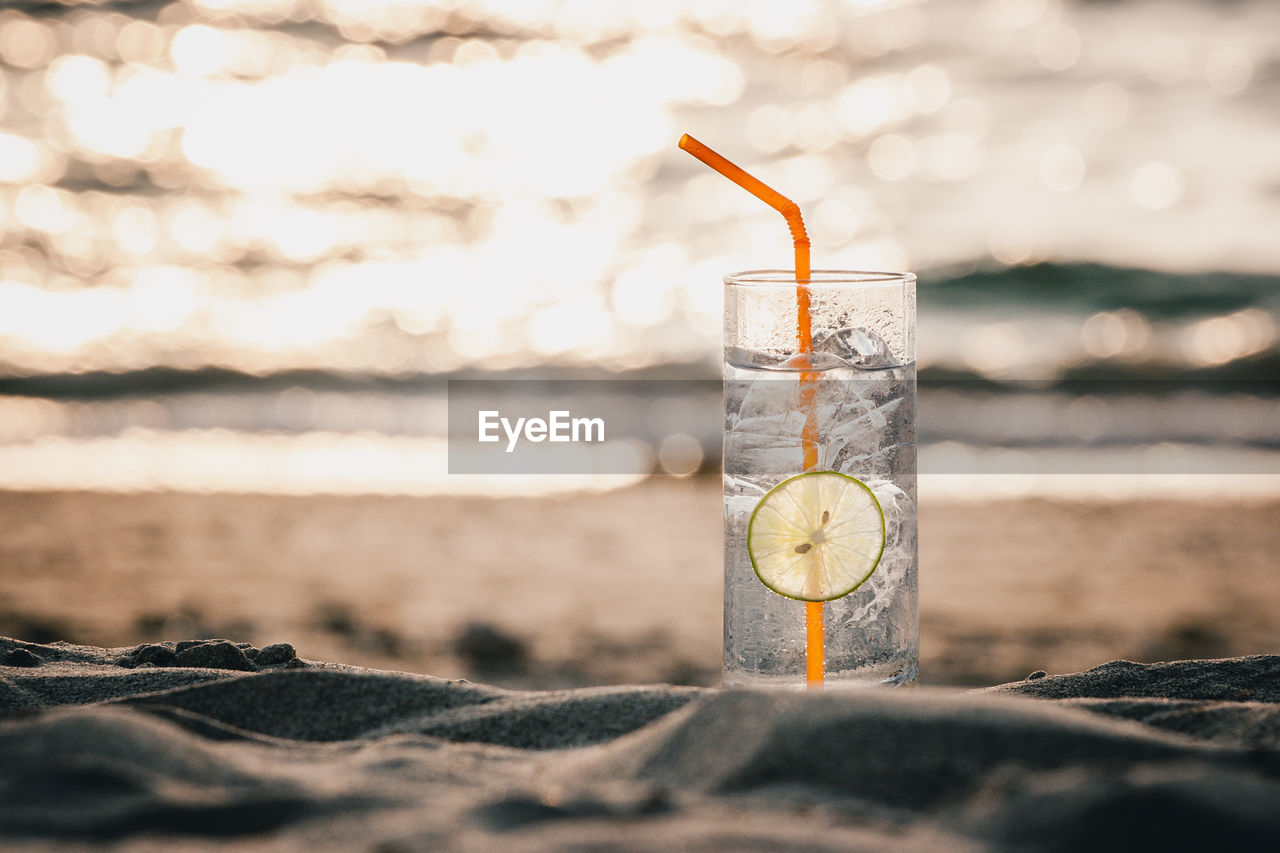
139,748
875,745
1231,702
1248,679
104,774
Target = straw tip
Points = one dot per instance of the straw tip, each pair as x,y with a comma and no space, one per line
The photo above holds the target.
685,140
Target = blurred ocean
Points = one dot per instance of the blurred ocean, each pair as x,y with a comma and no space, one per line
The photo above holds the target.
244,243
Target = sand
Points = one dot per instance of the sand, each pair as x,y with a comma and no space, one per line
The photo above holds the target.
104,748
621,587
586,625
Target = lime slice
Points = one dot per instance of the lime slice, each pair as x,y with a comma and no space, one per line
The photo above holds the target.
816,536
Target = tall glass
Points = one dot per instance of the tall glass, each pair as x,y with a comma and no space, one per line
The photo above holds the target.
856,391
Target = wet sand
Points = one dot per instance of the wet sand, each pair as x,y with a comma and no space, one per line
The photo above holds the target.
621,587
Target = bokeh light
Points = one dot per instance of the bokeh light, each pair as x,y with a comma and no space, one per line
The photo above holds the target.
1155,186
406,188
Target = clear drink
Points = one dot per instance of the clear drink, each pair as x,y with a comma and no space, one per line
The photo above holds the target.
858,387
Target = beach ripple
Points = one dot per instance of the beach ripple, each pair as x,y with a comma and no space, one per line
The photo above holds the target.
331,757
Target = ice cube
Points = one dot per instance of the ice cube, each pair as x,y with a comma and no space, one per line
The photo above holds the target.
859,347
881,591
813,362
799,363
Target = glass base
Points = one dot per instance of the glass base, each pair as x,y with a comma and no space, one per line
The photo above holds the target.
886,675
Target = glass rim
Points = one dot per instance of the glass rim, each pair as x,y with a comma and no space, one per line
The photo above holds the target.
768,277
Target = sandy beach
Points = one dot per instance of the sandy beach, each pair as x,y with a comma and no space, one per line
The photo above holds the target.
617,588
539,673
200,745
586,628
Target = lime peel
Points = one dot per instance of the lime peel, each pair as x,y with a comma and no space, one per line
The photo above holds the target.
816,536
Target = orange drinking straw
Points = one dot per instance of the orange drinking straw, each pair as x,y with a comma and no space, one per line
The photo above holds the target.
813,628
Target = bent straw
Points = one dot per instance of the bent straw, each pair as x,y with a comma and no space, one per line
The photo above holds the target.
789,209
815,651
